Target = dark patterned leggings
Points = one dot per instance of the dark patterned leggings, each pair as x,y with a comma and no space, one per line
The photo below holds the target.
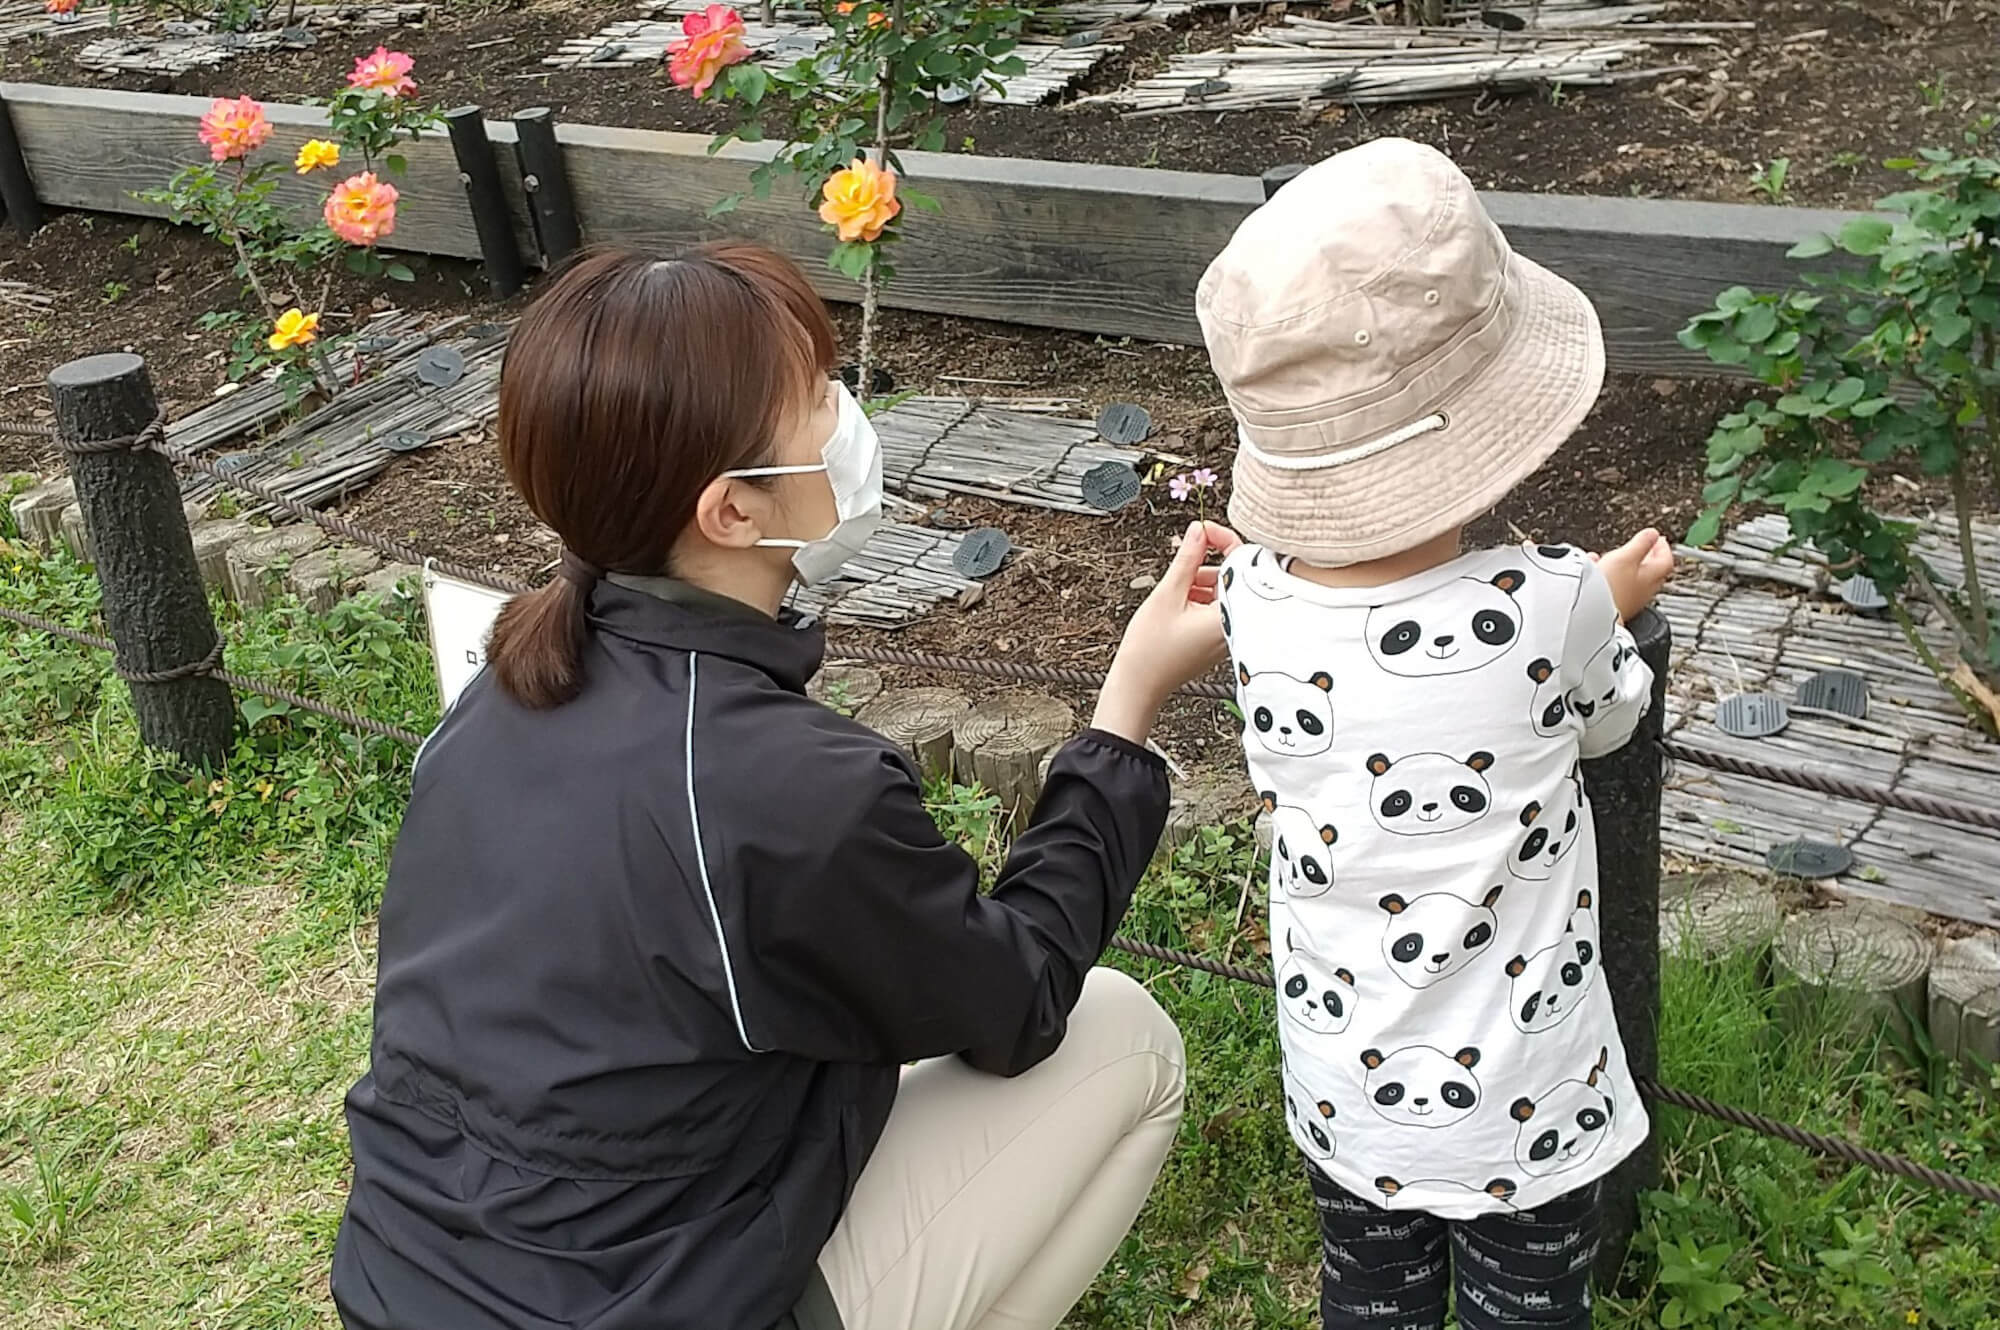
1392,1270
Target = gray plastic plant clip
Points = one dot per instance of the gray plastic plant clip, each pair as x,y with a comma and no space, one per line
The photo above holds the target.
1123,423
1752,715
1109,486
1840,691
1812,860
980,553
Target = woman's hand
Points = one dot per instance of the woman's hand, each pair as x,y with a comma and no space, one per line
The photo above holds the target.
1637,570
1175,636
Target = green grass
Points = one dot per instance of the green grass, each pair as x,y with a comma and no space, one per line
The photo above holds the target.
185,967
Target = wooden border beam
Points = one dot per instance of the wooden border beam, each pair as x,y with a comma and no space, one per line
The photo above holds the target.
1116,250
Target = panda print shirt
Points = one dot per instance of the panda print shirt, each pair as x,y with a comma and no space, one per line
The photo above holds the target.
1449,1045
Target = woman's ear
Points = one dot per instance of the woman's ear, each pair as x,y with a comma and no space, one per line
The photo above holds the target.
732,513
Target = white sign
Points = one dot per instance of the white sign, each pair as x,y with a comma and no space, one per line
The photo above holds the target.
461,615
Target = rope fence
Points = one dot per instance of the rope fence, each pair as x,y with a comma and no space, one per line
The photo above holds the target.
153,437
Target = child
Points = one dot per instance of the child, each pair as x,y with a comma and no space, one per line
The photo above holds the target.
1414,719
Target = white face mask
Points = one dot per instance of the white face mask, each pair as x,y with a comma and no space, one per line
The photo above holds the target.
852,460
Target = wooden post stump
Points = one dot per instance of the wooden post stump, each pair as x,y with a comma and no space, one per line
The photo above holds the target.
256,567
1205,799
326,576
845,688
1861,955
1717,914
154,604
212,543
1001,741
1965,1000
38,511
919,721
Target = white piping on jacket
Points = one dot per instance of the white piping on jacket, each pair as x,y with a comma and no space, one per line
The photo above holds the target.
701,863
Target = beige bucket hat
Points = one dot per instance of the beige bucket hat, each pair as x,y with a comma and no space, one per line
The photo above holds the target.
1394,368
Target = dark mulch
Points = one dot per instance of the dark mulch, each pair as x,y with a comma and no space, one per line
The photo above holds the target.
1832,85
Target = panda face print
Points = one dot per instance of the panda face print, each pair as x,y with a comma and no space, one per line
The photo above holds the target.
1421,1086
1301,852
1460,626
1316,996
1428,794
1500,1189
1559,560
1551,832
1564,1127
1289,717
1602,678
1551,984
1311,1120
1433,937
1260,575
1550,712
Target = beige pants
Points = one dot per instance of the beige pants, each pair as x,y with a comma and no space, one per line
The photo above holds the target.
993,1203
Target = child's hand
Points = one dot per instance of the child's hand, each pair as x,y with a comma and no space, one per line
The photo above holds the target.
1637,570
1171,638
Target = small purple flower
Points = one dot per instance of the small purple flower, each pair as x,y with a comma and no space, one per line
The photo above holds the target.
1180,487
1204,479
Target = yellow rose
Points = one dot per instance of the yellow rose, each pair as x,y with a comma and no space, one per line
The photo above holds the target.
316,154
294,327
860,200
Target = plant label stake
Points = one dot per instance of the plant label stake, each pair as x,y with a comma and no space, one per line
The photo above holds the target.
1841,691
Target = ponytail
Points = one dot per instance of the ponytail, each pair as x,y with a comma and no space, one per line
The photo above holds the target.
536,649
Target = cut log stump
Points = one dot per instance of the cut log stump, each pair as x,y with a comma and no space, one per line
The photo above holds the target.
38,511
845,688
387,580
920,722
1965,1000
257,566
1000,742
1867,959
77,537
212,543
1716,914
325,577
1205,799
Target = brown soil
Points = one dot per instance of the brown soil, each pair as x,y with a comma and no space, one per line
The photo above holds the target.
1831,85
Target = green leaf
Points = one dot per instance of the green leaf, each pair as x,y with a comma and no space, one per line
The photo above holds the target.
1783,344
1795,404
396,162
1872,407
1811,248
920,200
1735,299
749,81
942,64
1706,528
1950,329
728,203
1865,235
1722,491
1755,324
1846,393
399,272
1728,351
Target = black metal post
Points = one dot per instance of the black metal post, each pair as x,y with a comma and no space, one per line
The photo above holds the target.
1624,793
1278,177
154,602
17,187
481,178
546,180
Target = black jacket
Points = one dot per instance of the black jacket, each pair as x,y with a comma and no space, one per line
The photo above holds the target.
650,962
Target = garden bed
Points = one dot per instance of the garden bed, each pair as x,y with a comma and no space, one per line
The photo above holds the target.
1831,86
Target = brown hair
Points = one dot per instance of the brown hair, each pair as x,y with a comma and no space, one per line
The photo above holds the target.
629,385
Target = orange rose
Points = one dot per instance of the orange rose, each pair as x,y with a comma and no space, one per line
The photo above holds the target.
859,200
361,209
710,42
234,129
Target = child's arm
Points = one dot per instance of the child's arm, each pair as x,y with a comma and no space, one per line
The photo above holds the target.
1607,686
